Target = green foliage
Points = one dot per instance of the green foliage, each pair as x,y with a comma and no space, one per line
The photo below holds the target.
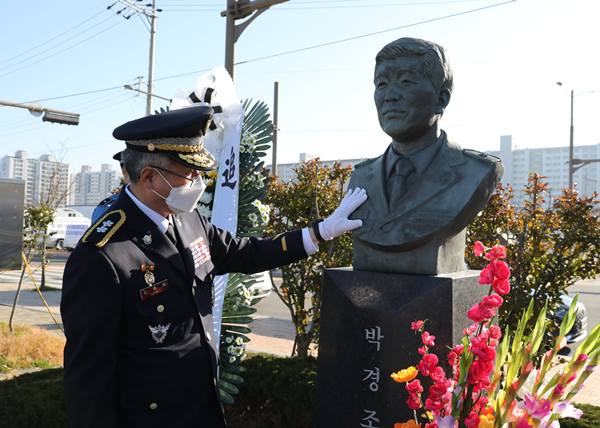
33,400
278,392
550,244
315,192
590,418
37,219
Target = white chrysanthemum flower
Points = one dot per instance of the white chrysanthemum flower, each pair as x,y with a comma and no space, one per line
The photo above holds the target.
232,360
263,209
238,300
239,351
230,349
253,217
265,218
229,339
235,307
206,198
260,185
242,148
239,341
248,294
248,302
204,210
256,203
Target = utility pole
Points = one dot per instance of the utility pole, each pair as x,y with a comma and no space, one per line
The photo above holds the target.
150,14
240,9
275,128
571,147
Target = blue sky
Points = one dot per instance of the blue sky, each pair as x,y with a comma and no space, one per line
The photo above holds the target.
506,60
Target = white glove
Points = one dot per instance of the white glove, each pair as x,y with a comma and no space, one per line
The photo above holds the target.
338,222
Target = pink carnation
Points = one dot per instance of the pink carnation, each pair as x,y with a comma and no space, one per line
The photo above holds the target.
493,300
417,325
478,249
500,286
500,269
414,387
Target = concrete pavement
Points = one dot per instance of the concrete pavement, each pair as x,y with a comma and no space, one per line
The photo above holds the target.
270,335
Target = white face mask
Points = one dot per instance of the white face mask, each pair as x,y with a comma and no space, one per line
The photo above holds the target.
184,198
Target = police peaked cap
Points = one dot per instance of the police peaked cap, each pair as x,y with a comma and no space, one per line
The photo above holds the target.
177,133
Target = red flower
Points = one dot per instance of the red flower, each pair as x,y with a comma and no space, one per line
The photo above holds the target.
432,425
500,269
417,325
423,350
487,276
497,252
494,300
427,364
559,389
481,369
495,332
458,349
483,351
413,402
438,389
452,357
438,375
433,406
414,387
478,249
487,311
472,421
475,314
428,339
501,286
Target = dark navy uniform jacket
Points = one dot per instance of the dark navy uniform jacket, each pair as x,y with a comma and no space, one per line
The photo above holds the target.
116,374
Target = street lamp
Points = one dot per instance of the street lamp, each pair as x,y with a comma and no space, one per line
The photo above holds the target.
131,88
50,115
572,161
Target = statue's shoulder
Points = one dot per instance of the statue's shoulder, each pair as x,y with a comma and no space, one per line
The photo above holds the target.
104,229
486,157
365,162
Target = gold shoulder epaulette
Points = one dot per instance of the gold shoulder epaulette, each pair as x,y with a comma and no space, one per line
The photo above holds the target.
480,155
101,231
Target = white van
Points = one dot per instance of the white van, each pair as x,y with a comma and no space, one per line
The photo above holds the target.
73,235
65,217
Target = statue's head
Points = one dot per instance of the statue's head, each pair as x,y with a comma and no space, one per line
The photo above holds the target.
413,85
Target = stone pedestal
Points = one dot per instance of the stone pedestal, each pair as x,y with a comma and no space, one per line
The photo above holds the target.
366,336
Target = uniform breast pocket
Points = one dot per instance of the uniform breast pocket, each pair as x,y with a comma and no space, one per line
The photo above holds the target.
153,399
367,224
205,272
158,303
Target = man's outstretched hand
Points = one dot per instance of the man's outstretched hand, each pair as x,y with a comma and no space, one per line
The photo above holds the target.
338,222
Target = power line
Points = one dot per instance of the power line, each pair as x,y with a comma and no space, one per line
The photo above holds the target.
54,38
378,32
50,56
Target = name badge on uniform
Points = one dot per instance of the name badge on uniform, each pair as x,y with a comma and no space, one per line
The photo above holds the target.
155,289
199,252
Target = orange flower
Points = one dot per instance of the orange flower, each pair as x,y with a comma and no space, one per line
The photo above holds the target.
409,424
405,375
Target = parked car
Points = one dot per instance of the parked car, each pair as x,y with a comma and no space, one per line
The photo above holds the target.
579,330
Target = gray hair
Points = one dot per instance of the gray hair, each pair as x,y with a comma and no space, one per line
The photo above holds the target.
135,162
436,64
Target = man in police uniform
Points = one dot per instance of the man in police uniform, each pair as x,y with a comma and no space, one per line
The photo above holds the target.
106,203
138,290
425,189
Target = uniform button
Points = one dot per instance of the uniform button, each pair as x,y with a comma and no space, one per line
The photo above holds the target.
193,291
160,308
207,336
387,228
153,406
215,381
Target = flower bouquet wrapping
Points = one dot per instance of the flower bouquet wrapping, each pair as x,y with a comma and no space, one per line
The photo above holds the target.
494,381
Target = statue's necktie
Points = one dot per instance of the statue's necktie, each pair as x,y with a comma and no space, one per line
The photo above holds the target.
171,234
404,168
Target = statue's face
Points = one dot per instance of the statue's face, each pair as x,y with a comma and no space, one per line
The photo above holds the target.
405,98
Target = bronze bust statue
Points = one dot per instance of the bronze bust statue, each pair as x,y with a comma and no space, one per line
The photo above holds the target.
424,189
